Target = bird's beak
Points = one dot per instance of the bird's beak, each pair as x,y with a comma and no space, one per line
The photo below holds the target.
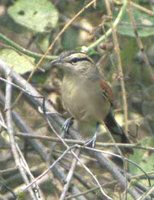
53,64
56,63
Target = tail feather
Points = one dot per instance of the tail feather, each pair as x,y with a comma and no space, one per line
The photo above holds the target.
115,129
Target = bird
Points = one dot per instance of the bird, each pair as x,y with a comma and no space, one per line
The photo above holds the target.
87,97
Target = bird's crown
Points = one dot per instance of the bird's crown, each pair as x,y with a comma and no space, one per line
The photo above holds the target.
75,57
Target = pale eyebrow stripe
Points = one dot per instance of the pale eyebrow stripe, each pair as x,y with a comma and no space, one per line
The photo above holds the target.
81,59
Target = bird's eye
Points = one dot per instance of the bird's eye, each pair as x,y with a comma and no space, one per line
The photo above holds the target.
74,60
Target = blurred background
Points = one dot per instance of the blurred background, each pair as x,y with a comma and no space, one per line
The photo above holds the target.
28,28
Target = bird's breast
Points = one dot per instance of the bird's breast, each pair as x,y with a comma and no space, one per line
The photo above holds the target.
84,100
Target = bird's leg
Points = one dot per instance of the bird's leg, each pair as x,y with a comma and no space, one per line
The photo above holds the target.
92,141
67,124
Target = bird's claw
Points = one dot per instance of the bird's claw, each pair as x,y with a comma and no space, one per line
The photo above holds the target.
68,122
92,142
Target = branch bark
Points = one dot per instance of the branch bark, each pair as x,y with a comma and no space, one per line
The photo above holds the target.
57,121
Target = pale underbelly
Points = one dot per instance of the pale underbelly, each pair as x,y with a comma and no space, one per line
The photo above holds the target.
85,108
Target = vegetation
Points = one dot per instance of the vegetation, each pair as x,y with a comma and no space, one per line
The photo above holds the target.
36,162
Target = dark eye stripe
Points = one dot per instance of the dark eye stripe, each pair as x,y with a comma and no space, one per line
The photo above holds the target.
75,60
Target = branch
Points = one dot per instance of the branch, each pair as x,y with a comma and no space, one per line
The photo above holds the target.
79,142
20,49
41,150
57,123
109,32
10,130
69,176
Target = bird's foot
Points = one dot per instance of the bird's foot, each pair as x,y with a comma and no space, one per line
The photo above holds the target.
91,142
67,124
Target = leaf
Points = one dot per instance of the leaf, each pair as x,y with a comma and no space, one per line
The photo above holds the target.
21,64
144,22
39,16
70,38
43,41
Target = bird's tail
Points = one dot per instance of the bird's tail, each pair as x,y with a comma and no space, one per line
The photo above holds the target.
116,130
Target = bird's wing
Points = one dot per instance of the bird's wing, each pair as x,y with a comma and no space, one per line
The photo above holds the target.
106,90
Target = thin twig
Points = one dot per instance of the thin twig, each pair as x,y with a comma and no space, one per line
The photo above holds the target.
70,22
41,150
76,24
141,8
104,195
139,41
11,133
69,176
114,25
52,44
47,170
91,190
36,188
123,158
57,122
20,49
120,70
146,195
79,142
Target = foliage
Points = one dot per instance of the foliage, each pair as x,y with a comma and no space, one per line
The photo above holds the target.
143,21
32,13
118,35
19,63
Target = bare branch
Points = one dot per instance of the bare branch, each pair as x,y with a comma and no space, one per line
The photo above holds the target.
57,122
69,176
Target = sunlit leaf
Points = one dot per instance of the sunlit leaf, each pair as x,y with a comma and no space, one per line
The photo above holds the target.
144,23
39,16
20,63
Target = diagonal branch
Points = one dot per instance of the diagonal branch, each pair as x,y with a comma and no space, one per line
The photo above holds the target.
69,176
57,122
10,130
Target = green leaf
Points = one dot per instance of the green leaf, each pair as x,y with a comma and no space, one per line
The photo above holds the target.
21,64
144,22
43,41
69,40
37,15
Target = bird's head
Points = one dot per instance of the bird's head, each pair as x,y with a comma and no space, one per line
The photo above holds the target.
73,62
